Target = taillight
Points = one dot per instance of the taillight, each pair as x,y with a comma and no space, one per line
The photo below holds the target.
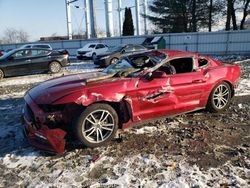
65,52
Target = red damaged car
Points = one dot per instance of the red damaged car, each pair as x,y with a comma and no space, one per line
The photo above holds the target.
92,106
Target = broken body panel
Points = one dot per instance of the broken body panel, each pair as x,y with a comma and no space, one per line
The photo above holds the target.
137,98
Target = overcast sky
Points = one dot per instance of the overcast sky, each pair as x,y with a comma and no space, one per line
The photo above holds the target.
46,17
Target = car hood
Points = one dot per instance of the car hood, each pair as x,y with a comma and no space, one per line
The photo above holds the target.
85,49
54,89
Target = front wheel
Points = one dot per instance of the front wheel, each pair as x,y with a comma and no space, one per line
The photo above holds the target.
55,67
220,97
93,56
1,74
96,125
113,60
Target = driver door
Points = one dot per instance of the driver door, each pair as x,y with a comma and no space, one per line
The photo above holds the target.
17,63
155,98
168,94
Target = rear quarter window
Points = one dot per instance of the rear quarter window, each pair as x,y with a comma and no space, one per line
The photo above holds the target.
202,62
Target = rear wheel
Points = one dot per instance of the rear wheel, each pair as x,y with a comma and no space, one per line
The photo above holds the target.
96,125
113,60
94,56
1,74
55,67
220,97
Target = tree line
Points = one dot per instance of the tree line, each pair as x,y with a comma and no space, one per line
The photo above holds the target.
12,36
194,15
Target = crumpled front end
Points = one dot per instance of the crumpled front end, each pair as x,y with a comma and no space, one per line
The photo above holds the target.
37,130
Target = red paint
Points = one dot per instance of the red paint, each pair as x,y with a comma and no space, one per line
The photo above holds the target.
144,99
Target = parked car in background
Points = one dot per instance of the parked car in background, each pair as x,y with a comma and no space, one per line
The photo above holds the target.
91,50
93,106
115,53
1,52
37,45
31,60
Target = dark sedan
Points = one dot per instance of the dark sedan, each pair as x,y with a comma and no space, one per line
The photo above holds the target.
27,61
115,53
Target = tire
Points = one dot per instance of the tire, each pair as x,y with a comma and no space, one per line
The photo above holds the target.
55,67
93,56
112,61
219,98
96,125
1,74
79,58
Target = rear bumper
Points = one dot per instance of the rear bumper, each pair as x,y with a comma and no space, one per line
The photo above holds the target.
38,134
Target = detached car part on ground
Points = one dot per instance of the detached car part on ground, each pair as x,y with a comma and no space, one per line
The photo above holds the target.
32,60
140,87
116,53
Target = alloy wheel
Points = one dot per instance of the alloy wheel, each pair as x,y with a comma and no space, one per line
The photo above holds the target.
55,67
98,126
221,96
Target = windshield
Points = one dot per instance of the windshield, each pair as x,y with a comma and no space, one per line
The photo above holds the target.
7,54
115,49
116,67
133,65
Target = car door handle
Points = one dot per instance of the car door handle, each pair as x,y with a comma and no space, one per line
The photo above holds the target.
198,81
28,60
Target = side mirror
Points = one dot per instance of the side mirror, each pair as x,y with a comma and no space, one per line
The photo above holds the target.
148,76
158,74
155,75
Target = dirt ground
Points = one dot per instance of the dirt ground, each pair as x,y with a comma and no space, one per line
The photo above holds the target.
198,149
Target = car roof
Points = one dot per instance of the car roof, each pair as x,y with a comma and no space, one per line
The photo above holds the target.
36,48
38,44
169,53
93,43
177,53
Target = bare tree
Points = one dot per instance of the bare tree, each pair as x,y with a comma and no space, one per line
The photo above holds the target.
229,14
233,7
12,35
235,27
246,12
22,36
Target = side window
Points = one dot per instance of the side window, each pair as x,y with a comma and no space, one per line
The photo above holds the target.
92,46
99,46
202,62
129,49
41,46
139,48
182,65
22,54
167,68
39,52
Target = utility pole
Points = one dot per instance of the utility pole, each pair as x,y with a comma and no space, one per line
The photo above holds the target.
109,18
120,16
137,16
87,18
145,4
68,16
92,18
